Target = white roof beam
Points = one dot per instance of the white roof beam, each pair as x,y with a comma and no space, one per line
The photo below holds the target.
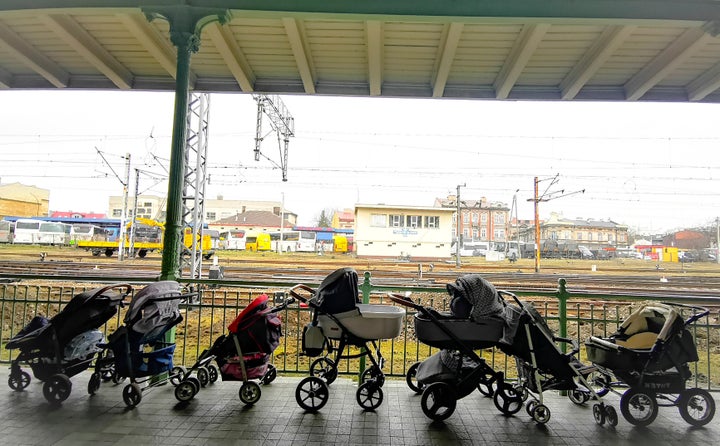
373,32
708,82
452,39
297,44
665,62
237,63
82,42
32,58
154,43
5,78
604,47
529,39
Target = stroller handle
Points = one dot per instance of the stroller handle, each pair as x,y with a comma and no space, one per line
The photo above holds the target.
123,294
702,311
295,292
404,300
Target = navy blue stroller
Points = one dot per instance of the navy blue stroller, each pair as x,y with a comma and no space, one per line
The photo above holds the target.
138,349
65,345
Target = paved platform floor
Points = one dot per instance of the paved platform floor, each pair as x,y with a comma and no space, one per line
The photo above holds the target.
217,417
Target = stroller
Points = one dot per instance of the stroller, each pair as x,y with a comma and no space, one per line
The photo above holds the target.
650,353
241,355
479,319
340,321
138,348
65,345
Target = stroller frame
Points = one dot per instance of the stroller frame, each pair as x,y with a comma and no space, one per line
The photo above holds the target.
312,393
203,372
56,373
133,392
646,390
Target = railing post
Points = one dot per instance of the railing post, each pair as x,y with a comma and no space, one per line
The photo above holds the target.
365,290
562,296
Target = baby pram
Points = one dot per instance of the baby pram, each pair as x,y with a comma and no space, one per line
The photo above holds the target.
650,353
243,354
65,345
480,318
138,349
340,321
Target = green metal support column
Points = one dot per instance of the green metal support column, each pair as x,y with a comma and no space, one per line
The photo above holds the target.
365,289
186,23
562,296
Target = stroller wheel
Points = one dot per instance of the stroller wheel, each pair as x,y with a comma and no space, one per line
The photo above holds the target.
438,401
19,381
540,413
177,374
94,383
57,388
132,395
250,393
214,373
411,379
486,386
185,391
507,400
373,373
578,397
203,375
696,406
116,378
599,413
369,395
269,375
312,394
611,416
638,407
324,368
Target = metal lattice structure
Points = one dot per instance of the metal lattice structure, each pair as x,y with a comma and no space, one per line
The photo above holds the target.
282,123
195,181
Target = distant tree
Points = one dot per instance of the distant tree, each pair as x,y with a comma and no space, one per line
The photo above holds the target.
324,220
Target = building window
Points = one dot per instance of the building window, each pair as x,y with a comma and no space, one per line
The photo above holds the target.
466,233
378,220
475,233
483,218
474,217
579,236
483,233
499,218
396,221
466,218
147,204
590,236
117,212
432,222
210,216
414,221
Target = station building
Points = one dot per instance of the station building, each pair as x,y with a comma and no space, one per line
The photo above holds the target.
415,232
20,200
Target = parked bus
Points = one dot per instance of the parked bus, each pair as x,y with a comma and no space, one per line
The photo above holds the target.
258,242
234,239
26,231
84,231
293,241
6,231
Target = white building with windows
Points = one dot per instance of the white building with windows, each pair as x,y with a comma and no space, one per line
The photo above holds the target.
403,231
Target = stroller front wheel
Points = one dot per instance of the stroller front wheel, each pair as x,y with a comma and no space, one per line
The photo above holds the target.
507,400
185,391
438,401
250,393
177,374
203,375
132,395
411,379
324,368
696,406
269,375
94,383
312,394
638,407
19,381
214,373
369,395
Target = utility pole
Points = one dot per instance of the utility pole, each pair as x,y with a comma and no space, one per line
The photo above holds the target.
123,219
282,123
458,232
717,240
546,196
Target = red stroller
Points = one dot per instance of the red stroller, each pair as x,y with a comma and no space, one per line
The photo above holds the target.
241,355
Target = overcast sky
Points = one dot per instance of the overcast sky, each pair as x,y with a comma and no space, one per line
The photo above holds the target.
654,167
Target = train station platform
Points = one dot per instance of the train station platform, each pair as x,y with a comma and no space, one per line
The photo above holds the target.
217,417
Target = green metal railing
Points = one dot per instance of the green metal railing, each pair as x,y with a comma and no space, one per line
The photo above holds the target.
569,314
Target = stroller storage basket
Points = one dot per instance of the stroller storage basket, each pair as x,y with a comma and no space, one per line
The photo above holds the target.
367,321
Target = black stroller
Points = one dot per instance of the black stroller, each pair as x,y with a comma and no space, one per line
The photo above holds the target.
242,355
480,318
340,321
138,349
649,354
59,348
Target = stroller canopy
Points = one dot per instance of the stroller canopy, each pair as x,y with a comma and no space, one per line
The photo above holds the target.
474,297
257,305
338,292
154,306
655,318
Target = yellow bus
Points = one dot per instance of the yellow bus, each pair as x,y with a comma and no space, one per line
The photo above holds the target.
258,242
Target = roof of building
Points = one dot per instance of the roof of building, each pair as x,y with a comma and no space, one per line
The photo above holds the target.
254,218
402,206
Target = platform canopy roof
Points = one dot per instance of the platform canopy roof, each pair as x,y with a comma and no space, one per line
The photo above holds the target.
616,50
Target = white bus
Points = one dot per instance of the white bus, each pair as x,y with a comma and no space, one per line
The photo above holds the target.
27,231
85,231
234,239
53,233
6,231
293,241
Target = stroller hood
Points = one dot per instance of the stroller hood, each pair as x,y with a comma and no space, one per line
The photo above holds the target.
338,292
474,297
155,306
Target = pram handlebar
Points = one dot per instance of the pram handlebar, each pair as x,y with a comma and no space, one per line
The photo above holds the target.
406,301
702,311
294,292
